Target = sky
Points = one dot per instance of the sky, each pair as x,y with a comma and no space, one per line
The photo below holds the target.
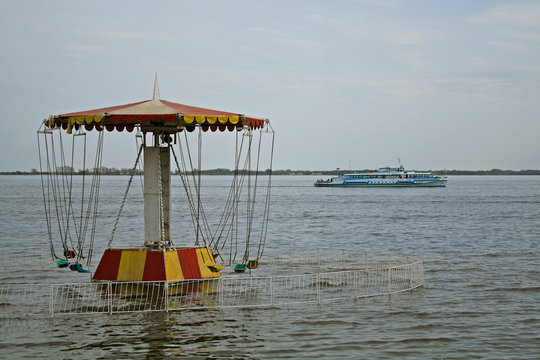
345,83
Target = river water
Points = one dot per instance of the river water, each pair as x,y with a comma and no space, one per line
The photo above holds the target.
478,237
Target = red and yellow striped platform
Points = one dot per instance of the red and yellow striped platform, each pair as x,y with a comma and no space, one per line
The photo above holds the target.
156,265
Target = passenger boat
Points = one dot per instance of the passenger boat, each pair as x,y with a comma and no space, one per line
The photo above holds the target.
385,177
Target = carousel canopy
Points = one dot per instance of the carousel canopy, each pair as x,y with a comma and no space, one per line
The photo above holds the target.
154,115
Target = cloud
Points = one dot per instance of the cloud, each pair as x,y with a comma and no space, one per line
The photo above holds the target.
219,80
513,27
526,14
478,61
135,35
379,3
514,46
85,49
406,37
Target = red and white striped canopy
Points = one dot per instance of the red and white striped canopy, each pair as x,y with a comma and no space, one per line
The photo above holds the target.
155,115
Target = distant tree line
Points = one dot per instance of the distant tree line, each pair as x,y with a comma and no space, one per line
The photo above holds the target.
221,171
70,170
488,172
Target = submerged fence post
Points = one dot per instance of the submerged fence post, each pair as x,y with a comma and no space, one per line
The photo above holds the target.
109,297
51,296
220,293
421,265
318,288
272,290
389,280
355,279
166,289
410,272
389,275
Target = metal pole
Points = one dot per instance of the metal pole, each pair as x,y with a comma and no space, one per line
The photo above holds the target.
389,275
318,288
109,297
166,289
389,280
51,296
220,294
410,275
272,289
355,277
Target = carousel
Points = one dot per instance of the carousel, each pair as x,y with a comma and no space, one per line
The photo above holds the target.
168,135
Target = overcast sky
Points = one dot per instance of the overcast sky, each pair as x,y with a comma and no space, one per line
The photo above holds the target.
440,84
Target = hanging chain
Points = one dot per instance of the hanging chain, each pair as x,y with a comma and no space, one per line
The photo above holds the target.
125,196
93,199
189,197
266,215
46,195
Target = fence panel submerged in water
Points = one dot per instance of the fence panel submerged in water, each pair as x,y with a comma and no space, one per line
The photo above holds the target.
25,299
323,279
231,291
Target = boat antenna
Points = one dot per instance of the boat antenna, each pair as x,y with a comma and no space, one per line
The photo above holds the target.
398,158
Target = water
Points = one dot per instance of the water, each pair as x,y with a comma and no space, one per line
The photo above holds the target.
478,237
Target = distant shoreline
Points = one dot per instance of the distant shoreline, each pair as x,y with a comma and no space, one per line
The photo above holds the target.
113,171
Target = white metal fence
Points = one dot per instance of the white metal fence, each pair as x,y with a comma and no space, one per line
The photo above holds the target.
366,274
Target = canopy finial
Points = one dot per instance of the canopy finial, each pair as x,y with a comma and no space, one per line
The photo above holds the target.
156,89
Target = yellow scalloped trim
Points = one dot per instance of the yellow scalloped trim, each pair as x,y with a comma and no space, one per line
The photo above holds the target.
223,119
211,119
234,119
188,119
200,119
71,121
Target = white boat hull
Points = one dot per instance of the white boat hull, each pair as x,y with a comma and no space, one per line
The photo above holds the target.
385,177
435,183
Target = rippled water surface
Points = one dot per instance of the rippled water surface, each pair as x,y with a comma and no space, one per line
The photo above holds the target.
479,240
